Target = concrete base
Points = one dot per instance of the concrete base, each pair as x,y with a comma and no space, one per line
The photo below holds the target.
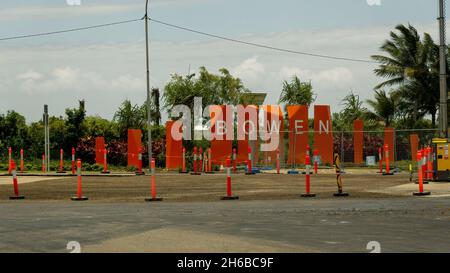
76,198
20,197
425,193
341,194
308,195
149,199
139,174
107,172
193,173
229,198
386,174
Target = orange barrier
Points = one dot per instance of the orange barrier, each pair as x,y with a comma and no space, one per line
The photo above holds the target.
387,158
139,171
229,192
105,161
316,161
278,161
43,163
210,170
61,161
200,160
249,162
308,178
430,164
358,141
389,140
323,132
380,160
22,167
9,160
421,191
153,197
73,161
79,196
195,163
16,196
183,162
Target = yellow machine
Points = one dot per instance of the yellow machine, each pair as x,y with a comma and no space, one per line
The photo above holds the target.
441,159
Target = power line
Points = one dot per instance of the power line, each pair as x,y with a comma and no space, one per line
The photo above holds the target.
261,45
193,31
68,30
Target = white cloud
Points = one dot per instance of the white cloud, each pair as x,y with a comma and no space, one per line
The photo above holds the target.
250,69
30,76
337,76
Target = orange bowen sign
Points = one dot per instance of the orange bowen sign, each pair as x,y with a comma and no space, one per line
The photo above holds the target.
323,133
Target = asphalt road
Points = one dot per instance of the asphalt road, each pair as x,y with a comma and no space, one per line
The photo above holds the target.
333,225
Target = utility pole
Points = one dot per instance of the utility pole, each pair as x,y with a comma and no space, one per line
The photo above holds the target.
149,120
443,111
46,139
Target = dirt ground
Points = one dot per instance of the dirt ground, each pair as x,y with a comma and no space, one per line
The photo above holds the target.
189,188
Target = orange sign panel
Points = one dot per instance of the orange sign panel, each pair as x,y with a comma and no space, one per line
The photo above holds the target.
220,147
99,147
134,147
174,149
298,133
323,133
275,133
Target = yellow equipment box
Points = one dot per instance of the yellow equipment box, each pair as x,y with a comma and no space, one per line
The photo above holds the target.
441,159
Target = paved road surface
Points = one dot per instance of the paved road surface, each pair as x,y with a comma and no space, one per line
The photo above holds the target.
335,225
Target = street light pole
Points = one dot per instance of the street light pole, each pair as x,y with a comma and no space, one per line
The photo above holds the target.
149,122
443,111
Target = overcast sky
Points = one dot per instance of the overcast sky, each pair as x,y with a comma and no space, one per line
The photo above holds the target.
106,66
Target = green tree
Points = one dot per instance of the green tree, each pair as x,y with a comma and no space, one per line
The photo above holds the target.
13,130
214,89
411,66
353,108
129,116
74,122
383,107
297,92
96,126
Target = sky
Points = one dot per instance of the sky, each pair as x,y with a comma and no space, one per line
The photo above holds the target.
106,66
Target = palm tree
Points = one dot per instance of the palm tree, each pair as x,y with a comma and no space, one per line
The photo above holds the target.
410,66
384,107
297,92
353,108
129,117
